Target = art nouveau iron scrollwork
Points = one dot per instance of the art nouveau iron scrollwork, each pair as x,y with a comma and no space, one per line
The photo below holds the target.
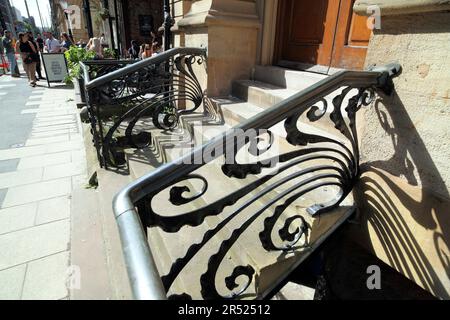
142,96
313,161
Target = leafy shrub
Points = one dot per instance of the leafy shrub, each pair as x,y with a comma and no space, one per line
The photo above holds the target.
109,53
74,56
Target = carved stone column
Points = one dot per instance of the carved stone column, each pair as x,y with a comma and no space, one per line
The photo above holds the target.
229,29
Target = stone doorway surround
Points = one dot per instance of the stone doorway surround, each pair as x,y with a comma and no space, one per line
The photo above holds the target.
229,29
268,10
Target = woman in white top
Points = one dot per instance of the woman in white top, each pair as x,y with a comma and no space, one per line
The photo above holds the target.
95,45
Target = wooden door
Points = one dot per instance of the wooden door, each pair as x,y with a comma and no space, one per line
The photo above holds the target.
306,30
321,32
352,38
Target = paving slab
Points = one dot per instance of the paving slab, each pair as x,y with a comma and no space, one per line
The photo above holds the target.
37,192
11,282
17,178
45,160
53,133
64,170
29,151
53,210
47,140
8,165
46,278
34,243
17,218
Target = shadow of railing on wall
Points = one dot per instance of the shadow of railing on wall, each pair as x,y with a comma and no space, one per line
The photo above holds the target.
406,222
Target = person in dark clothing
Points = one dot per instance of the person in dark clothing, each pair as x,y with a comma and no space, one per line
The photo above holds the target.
38,57
40,42
30,56
7,43
66,42
134,50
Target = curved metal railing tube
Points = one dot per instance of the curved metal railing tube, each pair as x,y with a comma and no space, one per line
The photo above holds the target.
162,57
341,172
127,96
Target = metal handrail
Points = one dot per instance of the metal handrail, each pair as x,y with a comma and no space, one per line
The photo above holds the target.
145,280
108,62
162,57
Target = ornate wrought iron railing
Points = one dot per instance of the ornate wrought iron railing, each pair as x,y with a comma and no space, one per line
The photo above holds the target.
316,161
93,69
126,102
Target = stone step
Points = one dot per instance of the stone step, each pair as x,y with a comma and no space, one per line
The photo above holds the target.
109,184
261,94
265,95
236,111
287,78
88,252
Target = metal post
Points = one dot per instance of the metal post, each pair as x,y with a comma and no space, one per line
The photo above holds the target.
28,11
167,39
40,15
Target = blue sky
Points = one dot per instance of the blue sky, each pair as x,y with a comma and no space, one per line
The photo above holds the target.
32,6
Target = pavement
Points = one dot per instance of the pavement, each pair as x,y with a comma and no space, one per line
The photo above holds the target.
42,159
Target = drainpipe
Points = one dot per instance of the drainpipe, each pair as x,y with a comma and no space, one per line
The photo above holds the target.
168,23
111,32
119,43
87,13
69,25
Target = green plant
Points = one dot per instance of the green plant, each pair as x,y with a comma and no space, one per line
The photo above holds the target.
74,56
101,15
109,53
104,13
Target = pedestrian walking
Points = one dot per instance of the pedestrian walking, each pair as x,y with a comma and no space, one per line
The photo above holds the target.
8,47
29,55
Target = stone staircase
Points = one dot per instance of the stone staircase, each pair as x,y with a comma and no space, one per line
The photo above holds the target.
270,85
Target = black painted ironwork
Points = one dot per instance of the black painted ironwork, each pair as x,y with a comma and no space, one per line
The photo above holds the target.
91,70
168,24
271,183
126,101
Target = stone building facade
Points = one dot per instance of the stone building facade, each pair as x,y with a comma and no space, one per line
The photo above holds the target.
6,16
141,17
127,20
